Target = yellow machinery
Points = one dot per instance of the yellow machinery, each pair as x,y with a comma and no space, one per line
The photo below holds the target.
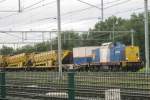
47,59
17,61
132,54
2,61
34,60
43,59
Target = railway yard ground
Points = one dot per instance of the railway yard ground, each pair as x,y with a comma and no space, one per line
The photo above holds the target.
87,85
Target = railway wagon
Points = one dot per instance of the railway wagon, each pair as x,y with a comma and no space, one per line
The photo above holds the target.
48,60
35,61
42,59
83,55
2,61
17,61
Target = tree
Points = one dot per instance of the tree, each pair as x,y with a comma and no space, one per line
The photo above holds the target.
6,50
70,39
110,24
25,49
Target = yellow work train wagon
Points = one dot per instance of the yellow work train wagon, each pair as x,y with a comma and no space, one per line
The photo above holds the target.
33,61
2,61
49,59
17,61
43,59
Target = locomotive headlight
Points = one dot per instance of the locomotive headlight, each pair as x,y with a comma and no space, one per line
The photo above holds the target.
138,58
126,58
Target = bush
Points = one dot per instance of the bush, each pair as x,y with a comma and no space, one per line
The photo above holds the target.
144,70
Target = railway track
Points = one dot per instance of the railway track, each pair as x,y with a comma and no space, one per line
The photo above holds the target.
88,91
37,86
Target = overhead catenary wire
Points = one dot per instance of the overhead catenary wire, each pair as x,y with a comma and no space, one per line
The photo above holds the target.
49,18
39,20
111,2
10,34
8,37
117,4
126,11
75,10
66,31
6,11
90,18
67,13
119,12
1,1
35,31
96,6
40,40
27,10
129,10
84,9
34,4
19,42
54,17
13,14
43,5
80,10
69,39
102,6
89,4
79,20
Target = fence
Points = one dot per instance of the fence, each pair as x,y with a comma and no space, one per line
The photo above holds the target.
74,86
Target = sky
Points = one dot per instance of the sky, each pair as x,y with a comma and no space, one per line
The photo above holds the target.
75,15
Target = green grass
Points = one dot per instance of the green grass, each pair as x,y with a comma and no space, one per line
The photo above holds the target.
143,70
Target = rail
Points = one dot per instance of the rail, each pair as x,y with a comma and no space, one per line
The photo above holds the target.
74,86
